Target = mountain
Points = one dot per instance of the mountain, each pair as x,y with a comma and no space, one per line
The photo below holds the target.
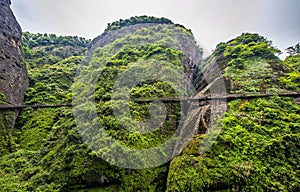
173,145
257,148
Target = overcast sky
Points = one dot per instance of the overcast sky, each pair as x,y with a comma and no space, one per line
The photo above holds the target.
211,21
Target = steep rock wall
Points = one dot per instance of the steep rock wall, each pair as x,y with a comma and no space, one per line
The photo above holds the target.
13,75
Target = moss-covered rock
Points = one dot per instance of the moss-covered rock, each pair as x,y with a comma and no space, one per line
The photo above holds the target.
258,147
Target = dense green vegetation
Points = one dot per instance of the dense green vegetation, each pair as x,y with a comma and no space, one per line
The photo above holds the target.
136,52
257,150
136,20
58,158
292,78
39,49
252,64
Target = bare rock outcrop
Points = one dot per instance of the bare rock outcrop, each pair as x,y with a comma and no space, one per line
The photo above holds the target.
13,74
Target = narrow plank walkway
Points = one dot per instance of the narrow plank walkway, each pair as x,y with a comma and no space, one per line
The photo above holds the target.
166,100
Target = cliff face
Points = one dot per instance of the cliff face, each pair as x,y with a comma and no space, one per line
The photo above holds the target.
257,148
13,75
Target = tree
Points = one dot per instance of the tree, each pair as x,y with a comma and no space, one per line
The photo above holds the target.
293,50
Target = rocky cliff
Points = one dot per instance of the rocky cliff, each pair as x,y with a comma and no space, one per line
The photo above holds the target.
13,75
257,148
254,147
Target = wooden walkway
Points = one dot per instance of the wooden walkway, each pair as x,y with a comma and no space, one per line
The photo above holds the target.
165,100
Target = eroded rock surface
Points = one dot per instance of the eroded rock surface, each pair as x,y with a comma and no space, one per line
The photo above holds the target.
13,74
